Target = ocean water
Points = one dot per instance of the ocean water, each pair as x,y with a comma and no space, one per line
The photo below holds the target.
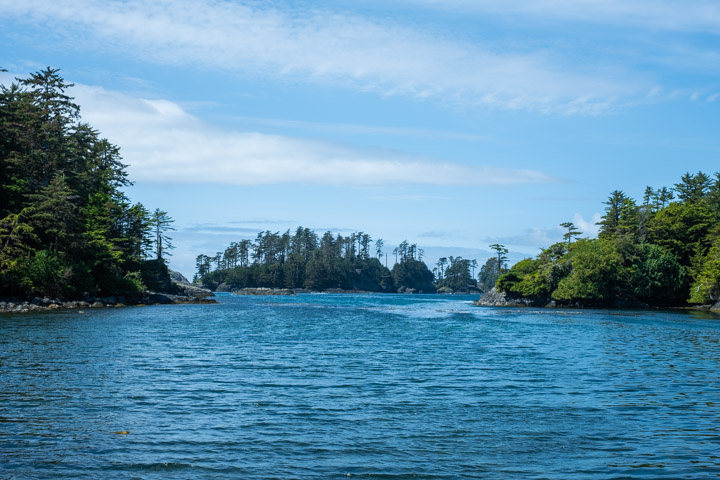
359,386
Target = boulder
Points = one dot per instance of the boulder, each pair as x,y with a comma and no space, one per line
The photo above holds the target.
190,290
496,298
178,277
264,291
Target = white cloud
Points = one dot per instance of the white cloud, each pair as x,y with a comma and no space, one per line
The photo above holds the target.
688,15
325,47
163,143
356,129
589,228
545,236
531,237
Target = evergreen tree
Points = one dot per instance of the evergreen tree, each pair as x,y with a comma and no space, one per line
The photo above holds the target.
659,253
161,225
572,231
693,188
501,256
66,226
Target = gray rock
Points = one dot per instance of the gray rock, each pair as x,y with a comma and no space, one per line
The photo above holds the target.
178,277
496,298
193,290
168,299
263,291
161,298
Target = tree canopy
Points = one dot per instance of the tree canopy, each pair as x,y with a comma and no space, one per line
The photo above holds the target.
660,253
305,260
67,227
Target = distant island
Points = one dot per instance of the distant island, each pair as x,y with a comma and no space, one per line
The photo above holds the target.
306,261
662,252
68,233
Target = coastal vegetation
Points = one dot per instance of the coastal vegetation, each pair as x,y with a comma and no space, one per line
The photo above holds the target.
305,260
663,251
67,229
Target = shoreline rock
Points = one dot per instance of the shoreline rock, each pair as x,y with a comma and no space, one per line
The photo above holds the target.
184,294
263,291
496,298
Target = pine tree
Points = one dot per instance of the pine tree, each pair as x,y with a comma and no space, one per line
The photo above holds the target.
161,224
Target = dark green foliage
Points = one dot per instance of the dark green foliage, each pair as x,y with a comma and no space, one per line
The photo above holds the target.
457,276
489,274
593,277
571,233
706,287
501,256
659,253
66,227
682,228
656,276
154,274
299,260
413,274
46,274
527,278
621,216
161,223
692,188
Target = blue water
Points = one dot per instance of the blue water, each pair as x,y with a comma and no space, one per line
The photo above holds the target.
366,386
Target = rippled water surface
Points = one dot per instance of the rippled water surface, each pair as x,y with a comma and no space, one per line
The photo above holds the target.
367,386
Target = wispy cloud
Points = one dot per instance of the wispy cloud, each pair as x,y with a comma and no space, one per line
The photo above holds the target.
219,229
531,237
542,237
688,15
435,234
358,129
590,227
163,143
326,47
260,221
411,197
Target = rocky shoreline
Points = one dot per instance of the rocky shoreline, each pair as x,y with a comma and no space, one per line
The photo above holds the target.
185,293
265,291
496,298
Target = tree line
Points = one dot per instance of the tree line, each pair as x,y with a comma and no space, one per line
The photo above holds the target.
67,229
662,251
304,259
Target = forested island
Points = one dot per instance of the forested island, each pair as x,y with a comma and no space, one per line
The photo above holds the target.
662,252
304,260
67,229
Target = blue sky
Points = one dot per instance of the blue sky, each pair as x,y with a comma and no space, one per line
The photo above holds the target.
453,124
